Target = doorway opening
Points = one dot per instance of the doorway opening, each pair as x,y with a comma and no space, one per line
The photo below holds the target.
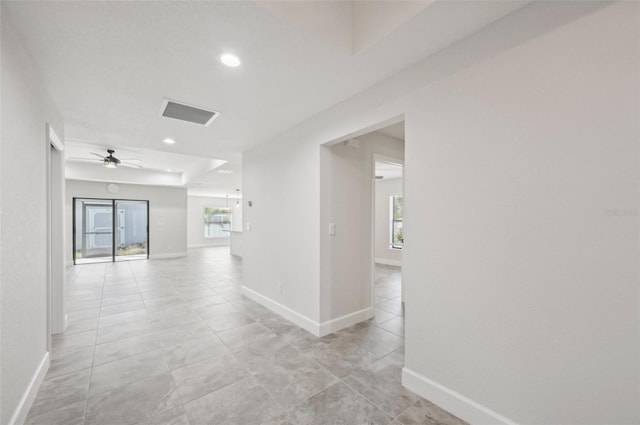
388,244
356,282
106,230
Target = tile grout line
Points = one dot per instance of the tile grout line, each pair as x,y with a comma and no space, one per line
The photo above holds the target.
93,354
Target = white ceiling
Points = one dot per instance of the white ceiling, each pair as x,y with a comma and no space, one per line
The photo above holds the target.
109,65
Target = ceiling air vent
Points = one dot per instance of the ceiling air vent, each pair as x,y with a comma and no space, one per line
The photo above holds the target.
180,111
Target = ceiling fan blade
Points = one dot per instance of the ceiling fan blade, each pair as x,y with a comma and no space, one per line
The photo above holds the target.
127,164
131,159
97,154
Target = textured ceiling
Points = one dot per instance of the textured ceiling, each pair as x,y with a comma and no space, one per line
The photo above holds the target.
109,65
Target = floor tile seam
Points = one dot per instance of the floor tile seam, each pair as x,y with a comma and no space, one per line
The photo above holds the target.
125,323
65,374
154,332
306,356
93,357
208,357
296,405
377,325
404,410
251,374
273,399
243,346
395,316
151,332
93,365
367,399
125,385
266,389
127,356
182,402
57,407
29,415
219,389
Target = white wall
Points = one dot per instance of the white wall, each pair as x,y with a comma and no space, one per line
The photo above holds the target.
346,199
385,189
282,245
26,109
521,183
195,223
167,214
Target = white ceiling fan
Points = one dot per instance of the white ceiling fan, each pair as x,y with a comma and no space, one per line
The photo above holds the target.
111,161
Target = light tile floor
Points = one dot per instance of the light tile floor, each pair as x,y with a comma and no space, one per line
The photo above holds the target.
173,342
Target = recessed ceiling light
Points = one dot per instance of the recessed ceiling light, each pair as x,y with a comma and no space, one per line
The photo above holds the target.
223,171
230,59
169,170
169,141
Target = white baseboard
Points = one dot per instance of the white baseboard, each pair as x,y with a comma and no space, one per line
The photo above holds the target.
388,262
168,255
345,321
451,401
317,329
293,316
68,263
29,395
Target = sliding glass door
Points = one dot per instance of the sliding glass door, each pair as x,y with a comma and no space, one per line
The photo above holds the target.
131,230
93,230
109,230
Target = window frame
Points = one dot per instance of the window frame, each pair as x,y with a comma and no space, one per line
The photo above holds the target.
207,222
393,244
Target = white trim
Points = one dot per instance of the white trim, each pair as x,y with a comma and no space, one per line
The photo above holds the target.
345,321
69,263
29,395
293,316
388,262
317,329
167,255
64,324
54,139
451,401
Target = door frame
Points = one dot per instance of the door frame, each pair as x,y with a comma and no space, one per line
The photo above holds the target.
56,317
113,223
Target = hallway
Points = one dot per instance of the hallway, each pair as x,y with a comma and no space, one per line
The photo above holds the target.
174,342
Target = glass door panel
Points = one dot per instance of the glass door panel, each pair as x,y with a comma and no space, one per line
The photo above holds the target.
93,231
131,230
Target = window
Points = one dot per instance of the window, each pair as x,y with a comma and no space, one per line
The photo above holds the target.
397,237
217,222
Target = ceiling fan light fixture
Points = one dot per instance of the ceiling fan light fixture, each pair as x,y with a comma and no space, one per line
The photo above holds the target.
111,161
230,60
